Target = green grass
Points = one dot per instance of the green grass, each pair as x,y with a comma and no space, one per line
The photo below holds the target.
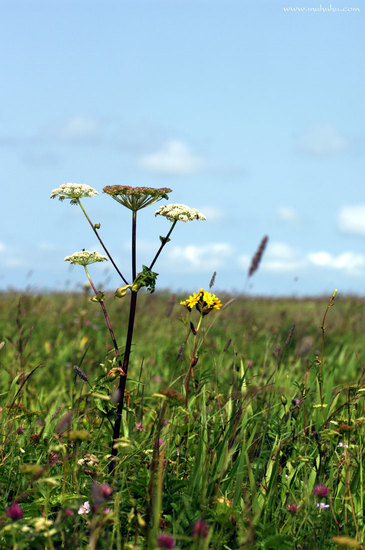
252,440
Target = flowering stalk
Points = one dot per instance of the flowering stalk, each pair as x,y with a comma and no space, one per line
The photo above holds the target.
323,328
128,345
204,302
133,198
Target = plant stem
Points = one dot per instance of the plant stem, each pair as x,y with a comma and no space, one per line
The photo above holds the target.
107,320
101,242
323,328
164,241
127,351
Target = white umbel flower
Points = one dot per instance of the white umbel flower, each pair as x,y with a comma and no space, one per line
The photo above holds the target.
179,212
73,191
85,258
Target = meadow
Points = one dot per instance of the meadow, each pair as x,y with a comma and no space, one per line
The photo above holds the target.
248,433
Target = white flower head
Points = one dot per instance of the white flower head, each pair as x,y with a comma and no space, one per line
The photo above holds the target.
179,212
84,508
85,258
73,191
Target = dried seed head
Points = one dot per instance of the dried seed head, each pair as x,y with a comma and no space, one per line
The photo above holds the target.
289,335
81,373
258,256
64,423
136,198
212,280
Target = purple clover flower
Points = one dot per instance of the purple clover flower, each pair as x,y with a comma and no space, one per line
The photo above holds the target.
165,541
200,529
320,490
14,511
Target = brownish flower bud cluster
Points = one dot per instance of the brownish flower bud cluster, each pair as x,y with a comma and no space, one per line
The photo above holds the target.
136,198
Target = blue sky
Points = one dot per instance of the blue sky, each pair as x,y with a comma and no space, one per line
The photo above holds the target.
250,112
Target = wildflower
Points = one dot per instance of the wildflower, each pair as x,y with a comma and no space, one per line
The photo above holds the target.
107,510
293,508
42,524
165,541
320,490
322,505
139,426
200,529
73,191
105,490
53,458
84,508
14,511
342,445
85,258
203,301
34,439
179,212
20,431
69,512
136,198
88,460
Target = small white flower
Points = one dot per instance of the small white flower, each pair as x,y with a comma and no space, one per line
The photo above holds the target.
85,258
179,212
73,191
84,508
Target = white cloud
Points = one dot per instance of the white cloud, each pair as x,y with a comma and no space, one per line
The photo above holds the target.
351,219
199,257
79,128
288,215
350,262
9,258
280,257
174,158
323,140
320,258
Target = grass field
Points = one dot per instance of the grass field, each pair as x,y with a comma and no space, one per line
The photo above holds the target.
248,436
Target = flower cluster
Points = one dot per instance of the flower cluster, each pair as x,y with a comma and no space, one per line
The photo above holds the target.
84,508
164,540
136,198
14,511
179,212
73,191
85,258
320,490
203,301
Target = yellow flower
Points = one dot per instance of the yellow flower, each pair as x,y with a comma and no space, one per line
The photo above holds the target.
203,301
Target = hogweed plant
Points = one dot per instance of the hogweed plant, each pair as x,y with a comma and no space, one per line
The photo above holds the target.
134,199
